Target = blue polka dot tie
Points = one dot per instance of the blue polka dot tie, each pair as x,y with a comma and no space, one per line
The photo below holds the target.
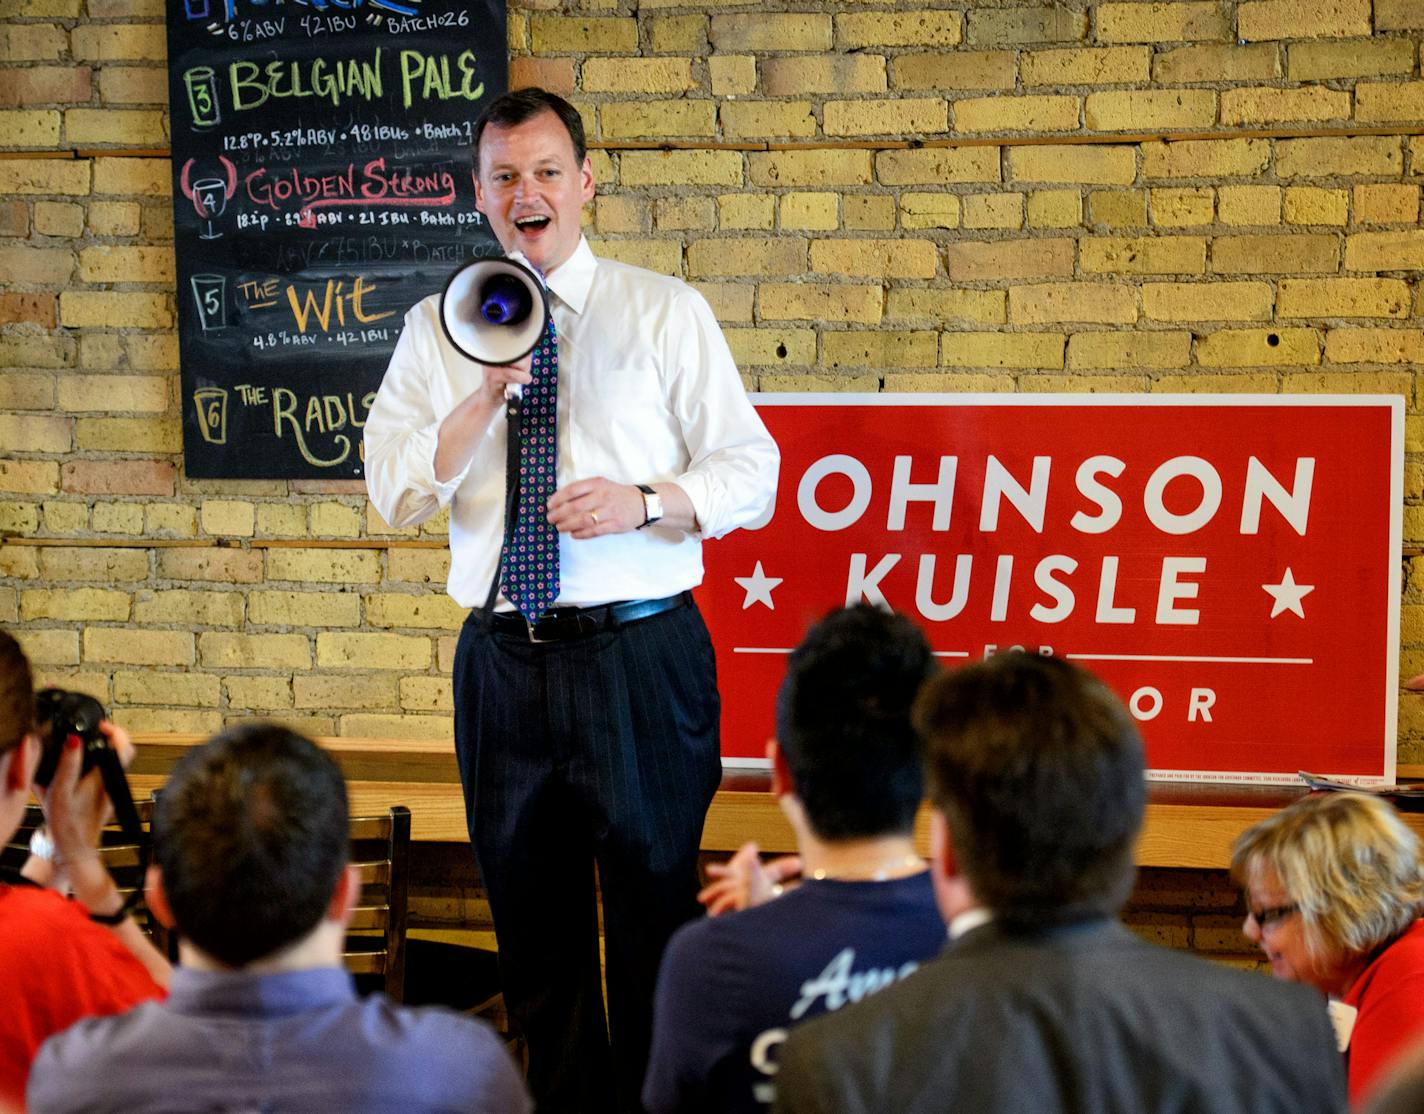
531,549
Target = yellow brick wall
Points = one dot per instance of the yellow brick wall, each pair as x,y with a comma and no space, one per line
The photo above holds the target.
1190,195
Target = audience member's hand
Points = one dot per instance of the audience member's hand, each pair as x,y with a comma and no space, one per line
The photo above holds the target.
76,809
744,880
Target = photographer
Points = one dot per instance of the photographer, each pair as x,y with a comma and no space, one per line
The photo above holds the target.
60,960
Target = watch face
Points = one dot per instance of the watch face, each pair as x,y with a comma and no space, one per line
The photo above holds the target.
652,507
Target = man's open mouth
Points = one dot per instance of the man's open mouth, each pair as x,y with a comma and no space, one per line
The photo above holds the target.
531,224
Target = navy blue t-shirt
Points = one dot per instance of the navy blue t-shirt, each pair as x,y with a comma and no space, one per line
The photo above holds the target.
730,987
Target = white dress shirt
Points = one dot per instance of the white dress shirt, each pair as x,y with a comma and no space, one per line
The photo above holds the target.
648,393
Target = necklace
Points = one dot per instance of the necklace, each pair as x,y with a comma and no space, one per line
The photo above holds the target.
882,872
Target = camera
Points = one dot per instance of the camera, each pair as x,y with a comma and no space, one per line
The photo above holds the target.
61,714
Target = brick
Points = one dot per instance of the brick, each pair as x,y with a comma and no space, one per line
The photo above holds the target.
138,127
1272,347
108,263
810,211
49,647
1112,65
119,477
1366,58
743,119
194,689
946,305
732,75
1162,22
32,42
825,382
67,518
221,565
1374,346
1331,157
1206,158
133,85
365,725
335,650
40,477
20,391
221,650
1198,382
426,694
1018,350
1265,255
129,646
1270,105
423,610
1144,255
1150,109
20,519
1032,258
551,34
770,31
1054,209
28,351
1286,19
620,214
1385,251
29,309
36,266
1026,25
775,255
20,562
419,566
771,347
807,168
14,218
929,210
860,213
678,34
1189,65
235,517
1206,301
114,518
185,607
934,167
793,76
121,394
1029,113
857,30
1052,302
662,256
74,605
1087,164
904,115
879,349
46,85
59,218
1398,15
135,177
1312,205
1182,208
812,301
933,70
1354,383
1131,350
276,520
994,210
658,118
1113,209
79,309
638,75
324,566
362,691
554,74
1386,203
152,353
899,258
680,168
746,211
949,381
34,433
1240,205
335,520
1389,101
101,350
130,435
118,42
303,609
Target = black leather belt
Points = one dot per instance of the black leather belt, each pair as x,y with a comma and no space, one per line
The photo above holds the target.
563,623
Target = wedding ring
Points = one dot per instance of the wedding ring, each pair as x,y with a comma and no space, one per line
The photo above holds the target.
593,515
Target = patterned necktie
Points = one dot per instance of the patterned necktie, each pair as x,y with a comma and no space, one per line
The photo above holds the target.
531,550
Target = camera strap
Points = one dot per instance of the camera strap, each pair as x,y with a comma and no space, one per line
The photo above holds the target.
116,785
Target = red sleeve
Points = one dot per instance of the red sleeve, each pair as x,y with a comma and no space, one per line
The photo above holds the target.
1391,1004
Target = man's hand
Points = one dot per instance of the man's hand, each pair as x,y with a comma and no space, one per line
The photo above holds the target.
744,880
76,809
463,427
591,508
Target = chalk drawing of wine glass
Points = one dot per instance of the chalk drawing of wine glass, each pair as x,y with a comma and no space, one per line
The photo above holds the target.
209,195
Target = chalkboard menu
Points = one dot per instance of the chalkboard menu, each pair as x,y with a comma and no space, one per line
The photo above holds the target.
322,184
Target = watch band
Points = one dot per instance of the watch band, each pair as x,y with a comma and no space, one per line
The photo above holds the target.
652,505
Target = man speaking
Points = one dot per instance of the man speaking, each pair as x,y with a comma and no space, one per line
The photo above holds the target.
586,706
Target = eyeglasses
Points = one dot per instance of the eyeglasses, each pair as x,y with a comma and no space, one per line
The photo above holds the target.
1267,917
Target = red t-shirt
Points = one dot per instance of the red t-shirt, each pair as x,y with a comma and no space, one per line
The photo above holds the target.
1390,997
56,966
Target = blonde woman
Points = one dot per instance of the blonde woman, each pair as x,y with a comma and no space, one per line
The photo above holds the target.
1334,886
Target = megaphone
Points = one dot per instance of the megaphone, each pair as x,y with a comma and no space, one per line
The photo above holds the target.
495,309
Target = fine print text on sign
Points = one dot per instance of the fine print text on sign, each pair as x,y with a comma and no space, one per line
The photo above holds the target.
1227,564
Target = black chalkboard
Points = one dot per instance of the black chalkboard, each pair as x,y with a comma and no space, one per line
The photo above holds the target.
322,184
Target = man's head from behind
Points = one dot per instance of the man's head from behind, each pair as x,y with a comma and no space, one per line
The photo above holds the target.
1038,772
251,838
843,723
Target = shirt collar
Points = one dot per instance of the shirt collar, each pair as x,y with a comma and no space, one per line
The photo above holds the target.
968,921
242,994
573,278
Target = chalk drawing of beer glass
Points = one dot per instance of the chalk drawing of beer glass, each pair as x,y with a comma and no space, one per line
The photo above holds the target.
209,201
210,294
202,85
212,413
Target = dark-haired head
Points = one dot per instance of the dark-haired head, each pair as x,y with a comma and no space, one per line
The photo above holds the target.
521,105
1039,772
17,694
843,722
251,835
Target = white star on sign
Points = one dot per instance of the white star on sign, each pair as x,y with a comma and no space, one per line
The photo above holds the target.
1288,595
758,587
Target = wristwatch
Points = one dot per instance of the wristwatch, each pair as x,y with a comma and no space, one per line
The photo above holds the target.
652,505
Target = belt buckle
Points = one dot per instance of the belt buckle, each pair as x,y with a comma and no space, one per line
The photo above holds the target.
532,624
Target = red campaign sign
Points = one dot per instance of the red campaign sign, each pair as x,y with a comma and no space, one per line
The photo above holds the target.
1227,564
